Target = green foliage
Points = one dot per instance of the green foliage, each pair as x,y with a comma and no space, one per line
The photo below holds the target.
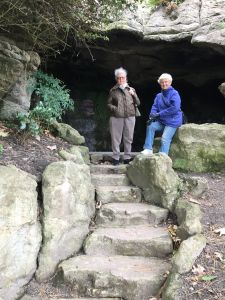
169,4
208,277
222,24
1,149
46,24
54,101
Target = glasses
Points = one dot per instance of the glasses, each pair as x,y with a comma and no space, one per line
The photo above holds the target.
120,77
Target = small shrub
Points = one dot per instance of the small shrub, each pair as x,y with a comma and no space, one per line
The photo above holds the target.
52,101
170,5
1,149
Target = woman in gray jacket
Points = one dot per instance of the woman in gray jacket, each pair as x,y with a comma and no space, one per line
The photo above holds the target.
122,103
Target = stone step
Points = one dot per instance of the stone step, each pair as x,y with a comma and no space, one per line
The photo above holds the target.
125,214
109,179
139,240
28,297
108,194
99,157
108,169
130,278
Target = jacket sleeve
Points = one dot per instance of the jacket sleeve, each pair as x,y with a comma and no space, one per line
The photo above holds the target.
135,97
174,107
110,105
154,109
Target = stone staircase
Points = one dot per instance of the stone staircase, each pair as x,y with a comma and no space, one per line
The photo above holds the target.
127,254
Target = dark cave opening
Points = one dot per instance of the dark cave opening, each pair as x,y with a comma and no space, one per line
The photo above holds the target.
197,73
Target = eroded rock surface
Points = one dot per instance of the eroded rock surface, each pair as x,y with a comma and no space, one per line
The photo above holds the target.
20,235
68,203
15,86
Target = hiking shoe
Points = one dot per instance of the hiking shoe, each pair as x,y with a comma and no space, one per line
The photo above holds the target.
127,161
147,152
115,162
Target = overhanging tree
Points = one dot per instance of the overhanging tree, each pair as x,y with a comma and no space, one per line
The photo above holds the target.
47,24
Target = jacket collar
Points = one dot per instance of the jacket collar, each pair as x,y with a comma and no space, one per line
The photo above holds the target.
118,87
167,91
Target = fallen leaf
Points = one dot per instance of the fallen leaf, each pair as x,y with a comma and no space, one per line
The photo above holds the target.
198,270
219,255
52,147
172,229
208,277
221,231
3,133
194,201
194,279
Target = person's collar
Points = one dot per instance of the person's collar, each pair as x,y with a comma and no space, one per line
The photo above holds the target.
123,86
117,86
167,90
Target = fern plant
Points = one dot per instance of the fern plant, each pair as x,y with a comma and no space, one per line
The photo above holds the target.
52,101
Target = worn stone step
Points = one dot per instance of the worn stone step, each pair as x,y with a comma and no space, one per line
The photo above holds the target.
109,179
130,278
28,297
108,169
139,240
99,157
125,214
108,194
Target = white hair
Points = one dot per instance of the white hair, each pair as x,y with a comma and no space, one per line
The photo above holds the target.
165,76
120,71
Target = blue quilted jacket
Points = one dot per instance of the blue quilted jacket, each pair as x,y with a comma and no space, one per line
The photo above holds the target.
167,104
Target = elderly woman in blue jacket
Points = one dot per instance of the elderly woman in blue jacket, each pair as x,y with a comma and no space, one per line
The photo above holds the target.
165,116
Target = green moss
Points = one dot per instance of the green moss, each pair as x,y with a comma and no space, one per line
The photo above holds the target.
180,164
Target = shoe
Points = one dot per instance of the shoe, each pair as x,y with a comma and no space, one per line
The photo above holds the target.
115,162
147,152
127,161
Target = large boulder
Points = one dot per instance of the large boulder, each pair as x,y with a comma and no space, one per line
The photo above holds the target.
68,133
20,235
16,86
155,175
68,203
222,88
199,148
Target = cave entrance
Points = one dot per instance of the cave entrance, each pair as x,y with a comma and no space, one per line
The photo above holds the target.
197,73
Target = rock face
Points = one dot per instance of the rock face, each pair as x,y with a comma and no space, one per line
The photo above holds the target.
15,88
188,218
211,19
68,197
20,236
199,148
157,178
199,20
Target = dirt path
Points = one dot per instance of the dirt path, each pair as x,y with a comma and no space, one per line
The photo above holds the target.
212,260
